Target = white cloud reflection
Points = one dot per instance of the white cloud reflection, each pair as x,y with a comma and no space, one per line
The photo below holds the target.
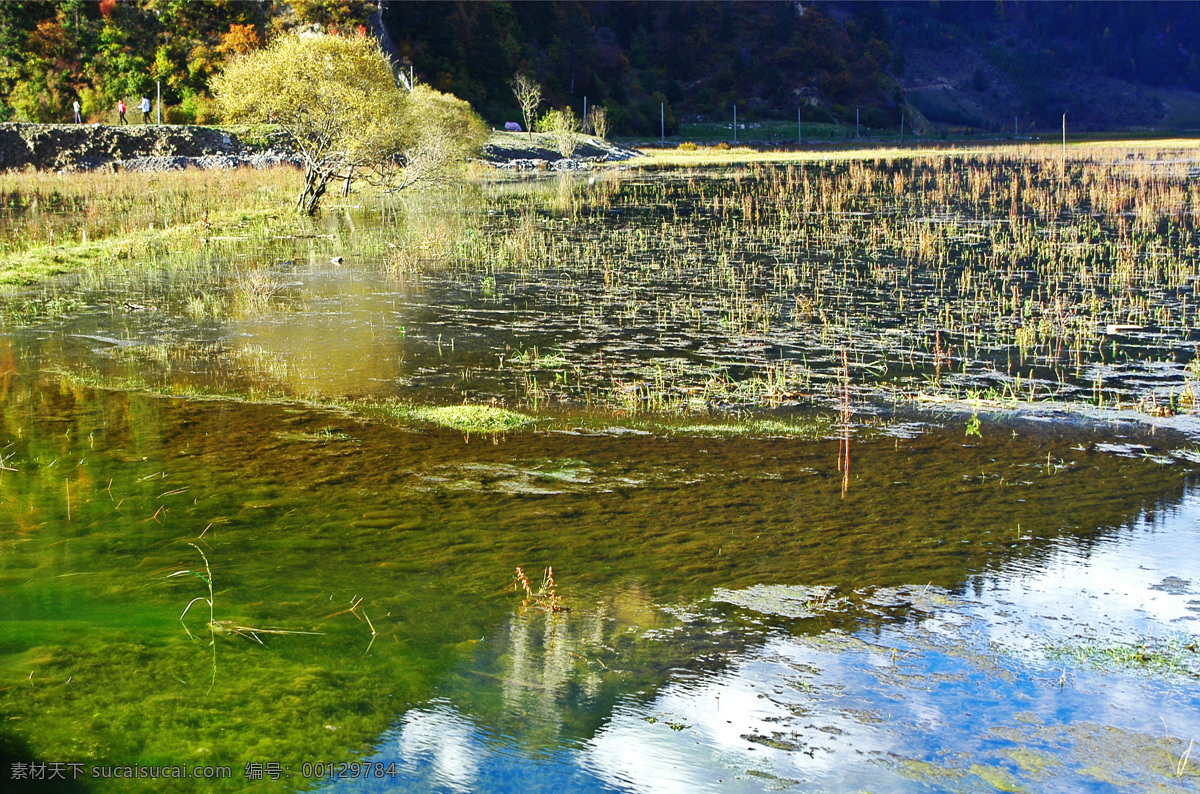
962,678
445,741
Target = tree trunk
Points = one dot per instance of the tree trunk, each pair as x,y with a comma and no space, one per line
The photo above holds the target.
315,184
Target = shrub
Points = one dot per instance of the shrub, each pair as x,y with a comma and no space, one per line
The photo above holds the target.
192,110
548,120
564,126
597,121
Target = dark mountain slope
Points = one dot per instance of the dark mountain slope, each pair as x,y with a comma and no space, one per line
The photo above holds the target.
1107,65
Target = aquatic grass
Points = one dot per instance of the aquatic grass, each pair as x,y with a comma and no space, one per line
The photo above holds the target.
253,291
545,598
205,577
206,305
938,261
1176,655
998,779
211,624
326,435
139,382
467,418
478,419
357,610
215,626
755,512
1181,766
531,359
817,427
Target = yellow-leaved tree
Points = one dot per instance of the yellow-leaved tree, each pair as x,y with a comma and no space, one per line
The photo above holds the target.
443,133
338,100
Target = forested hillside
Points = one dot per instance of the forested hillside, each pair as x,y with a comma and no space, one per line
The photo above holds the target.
699,58
1107,65
994,66
968,65
101,52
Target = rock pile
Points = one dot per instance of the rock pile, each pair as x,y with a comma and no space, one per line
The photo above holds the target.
521,152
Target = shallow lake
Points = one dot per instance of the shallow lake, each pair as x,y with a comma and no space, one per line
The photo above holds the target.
215,550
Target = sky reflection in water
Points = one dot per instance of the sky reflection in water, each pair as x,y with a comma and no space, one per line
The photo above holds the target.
958,693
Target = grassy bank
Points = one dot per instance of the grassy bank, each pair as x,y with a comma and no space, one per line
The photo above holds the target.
690,154
107,222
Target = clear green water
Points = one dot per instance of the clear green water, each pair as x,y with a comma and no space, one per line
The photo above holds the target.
660,542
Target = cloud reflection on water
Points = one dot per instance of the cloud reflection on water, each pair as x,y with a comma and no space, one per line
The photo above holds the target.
956,693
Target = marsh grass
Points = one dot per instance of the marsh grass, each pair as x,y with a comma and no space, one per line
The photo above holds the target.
972,273
531,359
253,291
206,305
942,271
104,222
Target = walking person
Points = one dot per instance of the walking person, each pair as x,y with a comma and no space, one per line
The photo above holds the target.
75,107
145,108
121,111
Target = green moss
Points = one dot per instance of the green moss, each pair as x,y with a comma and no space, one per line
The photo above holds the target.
1033,762
760,427
924,771
996,778
468,418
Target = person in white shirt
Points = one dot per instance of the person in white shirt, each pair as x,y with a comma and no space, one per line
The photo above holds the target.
145,108
75,107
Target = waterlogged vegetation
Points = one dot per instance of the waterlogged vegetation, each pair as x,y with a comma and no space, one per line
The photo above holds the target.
852,472
468,418
693,568
1172,655
98,225
989,278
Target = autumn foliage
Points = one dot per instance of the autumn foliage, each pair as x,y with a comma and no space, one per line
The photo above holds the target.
338,100
53,53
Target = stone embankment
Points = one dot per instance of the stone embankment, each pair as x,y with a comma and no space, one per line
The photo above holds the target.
134,147
148,147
